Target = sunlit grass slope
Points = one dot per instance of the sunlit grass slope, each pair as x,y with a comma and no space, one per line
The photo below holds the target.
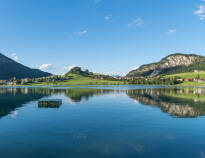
189,75
82,80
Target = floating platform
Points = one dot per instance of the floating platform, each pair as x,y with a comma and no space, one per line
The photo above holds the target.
49,103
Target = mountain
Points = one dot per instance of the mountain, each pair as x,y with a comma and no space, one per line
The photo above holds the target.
174,63
10,68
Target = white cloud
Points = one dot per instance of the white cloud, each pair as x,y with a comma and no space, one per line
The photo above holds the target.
202,17
137,22
200,12
68,68
135,68
171,32
108,17
46,67
82,32
14,56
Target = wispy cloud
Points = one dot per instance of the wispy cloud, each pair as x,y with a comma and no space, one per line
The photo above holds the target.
82,32
108,17
14,56
135,68
200,12
171,32
98,1
115,73
137,22
46,67
202,17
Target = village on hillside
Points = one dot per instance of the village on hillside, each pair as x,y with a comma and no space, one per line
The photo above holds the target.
174,79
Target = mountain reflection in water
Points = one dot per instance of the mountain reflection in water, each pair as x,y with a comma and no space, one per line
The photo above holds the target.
13,98
178,102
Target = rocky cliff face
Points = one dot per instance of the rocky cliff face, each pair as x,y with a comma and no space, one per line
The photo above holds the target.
170,61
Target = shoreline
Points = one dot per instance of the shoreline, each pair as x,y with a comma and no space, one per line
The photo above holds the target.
101,85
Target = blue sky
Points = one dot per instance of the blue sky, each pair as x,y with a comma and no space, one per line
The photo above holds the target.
107,36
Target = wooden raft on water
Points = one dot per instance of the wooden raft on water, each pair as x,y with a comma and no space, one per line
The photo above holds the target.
49,103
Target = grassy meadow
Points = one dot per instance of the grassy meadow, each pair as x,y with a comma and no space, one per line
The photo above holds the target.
82,80
189,75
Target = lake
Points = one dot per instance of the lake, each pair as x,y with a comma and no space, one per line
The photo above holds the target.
102,122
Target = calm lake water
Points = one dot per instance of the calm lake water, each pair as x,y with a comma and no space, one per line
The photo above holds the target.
103,122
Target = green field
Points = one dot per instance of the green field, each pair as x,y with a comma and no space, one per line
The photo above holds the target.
82,80
189,75
193,84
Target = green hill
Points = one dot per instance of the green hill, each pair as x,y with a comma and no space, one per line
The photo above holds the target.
78,70
77,76
77,79
10,68
84,77
86,73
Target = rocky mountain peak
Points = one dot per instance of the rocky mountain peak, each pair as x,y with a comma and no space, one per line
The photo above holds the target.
179,59
171,61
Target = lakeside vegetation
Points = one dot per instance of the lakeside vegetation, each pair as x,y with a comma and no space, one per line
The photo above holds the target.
175,69
76,79
77,76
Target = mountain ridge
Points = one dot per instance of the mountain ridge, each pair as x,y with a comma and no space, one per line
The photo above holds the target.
173,63
10,68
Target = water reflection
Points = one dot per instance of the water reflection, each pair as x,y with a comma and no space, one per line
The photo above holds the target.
76,95
179,102
14,98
